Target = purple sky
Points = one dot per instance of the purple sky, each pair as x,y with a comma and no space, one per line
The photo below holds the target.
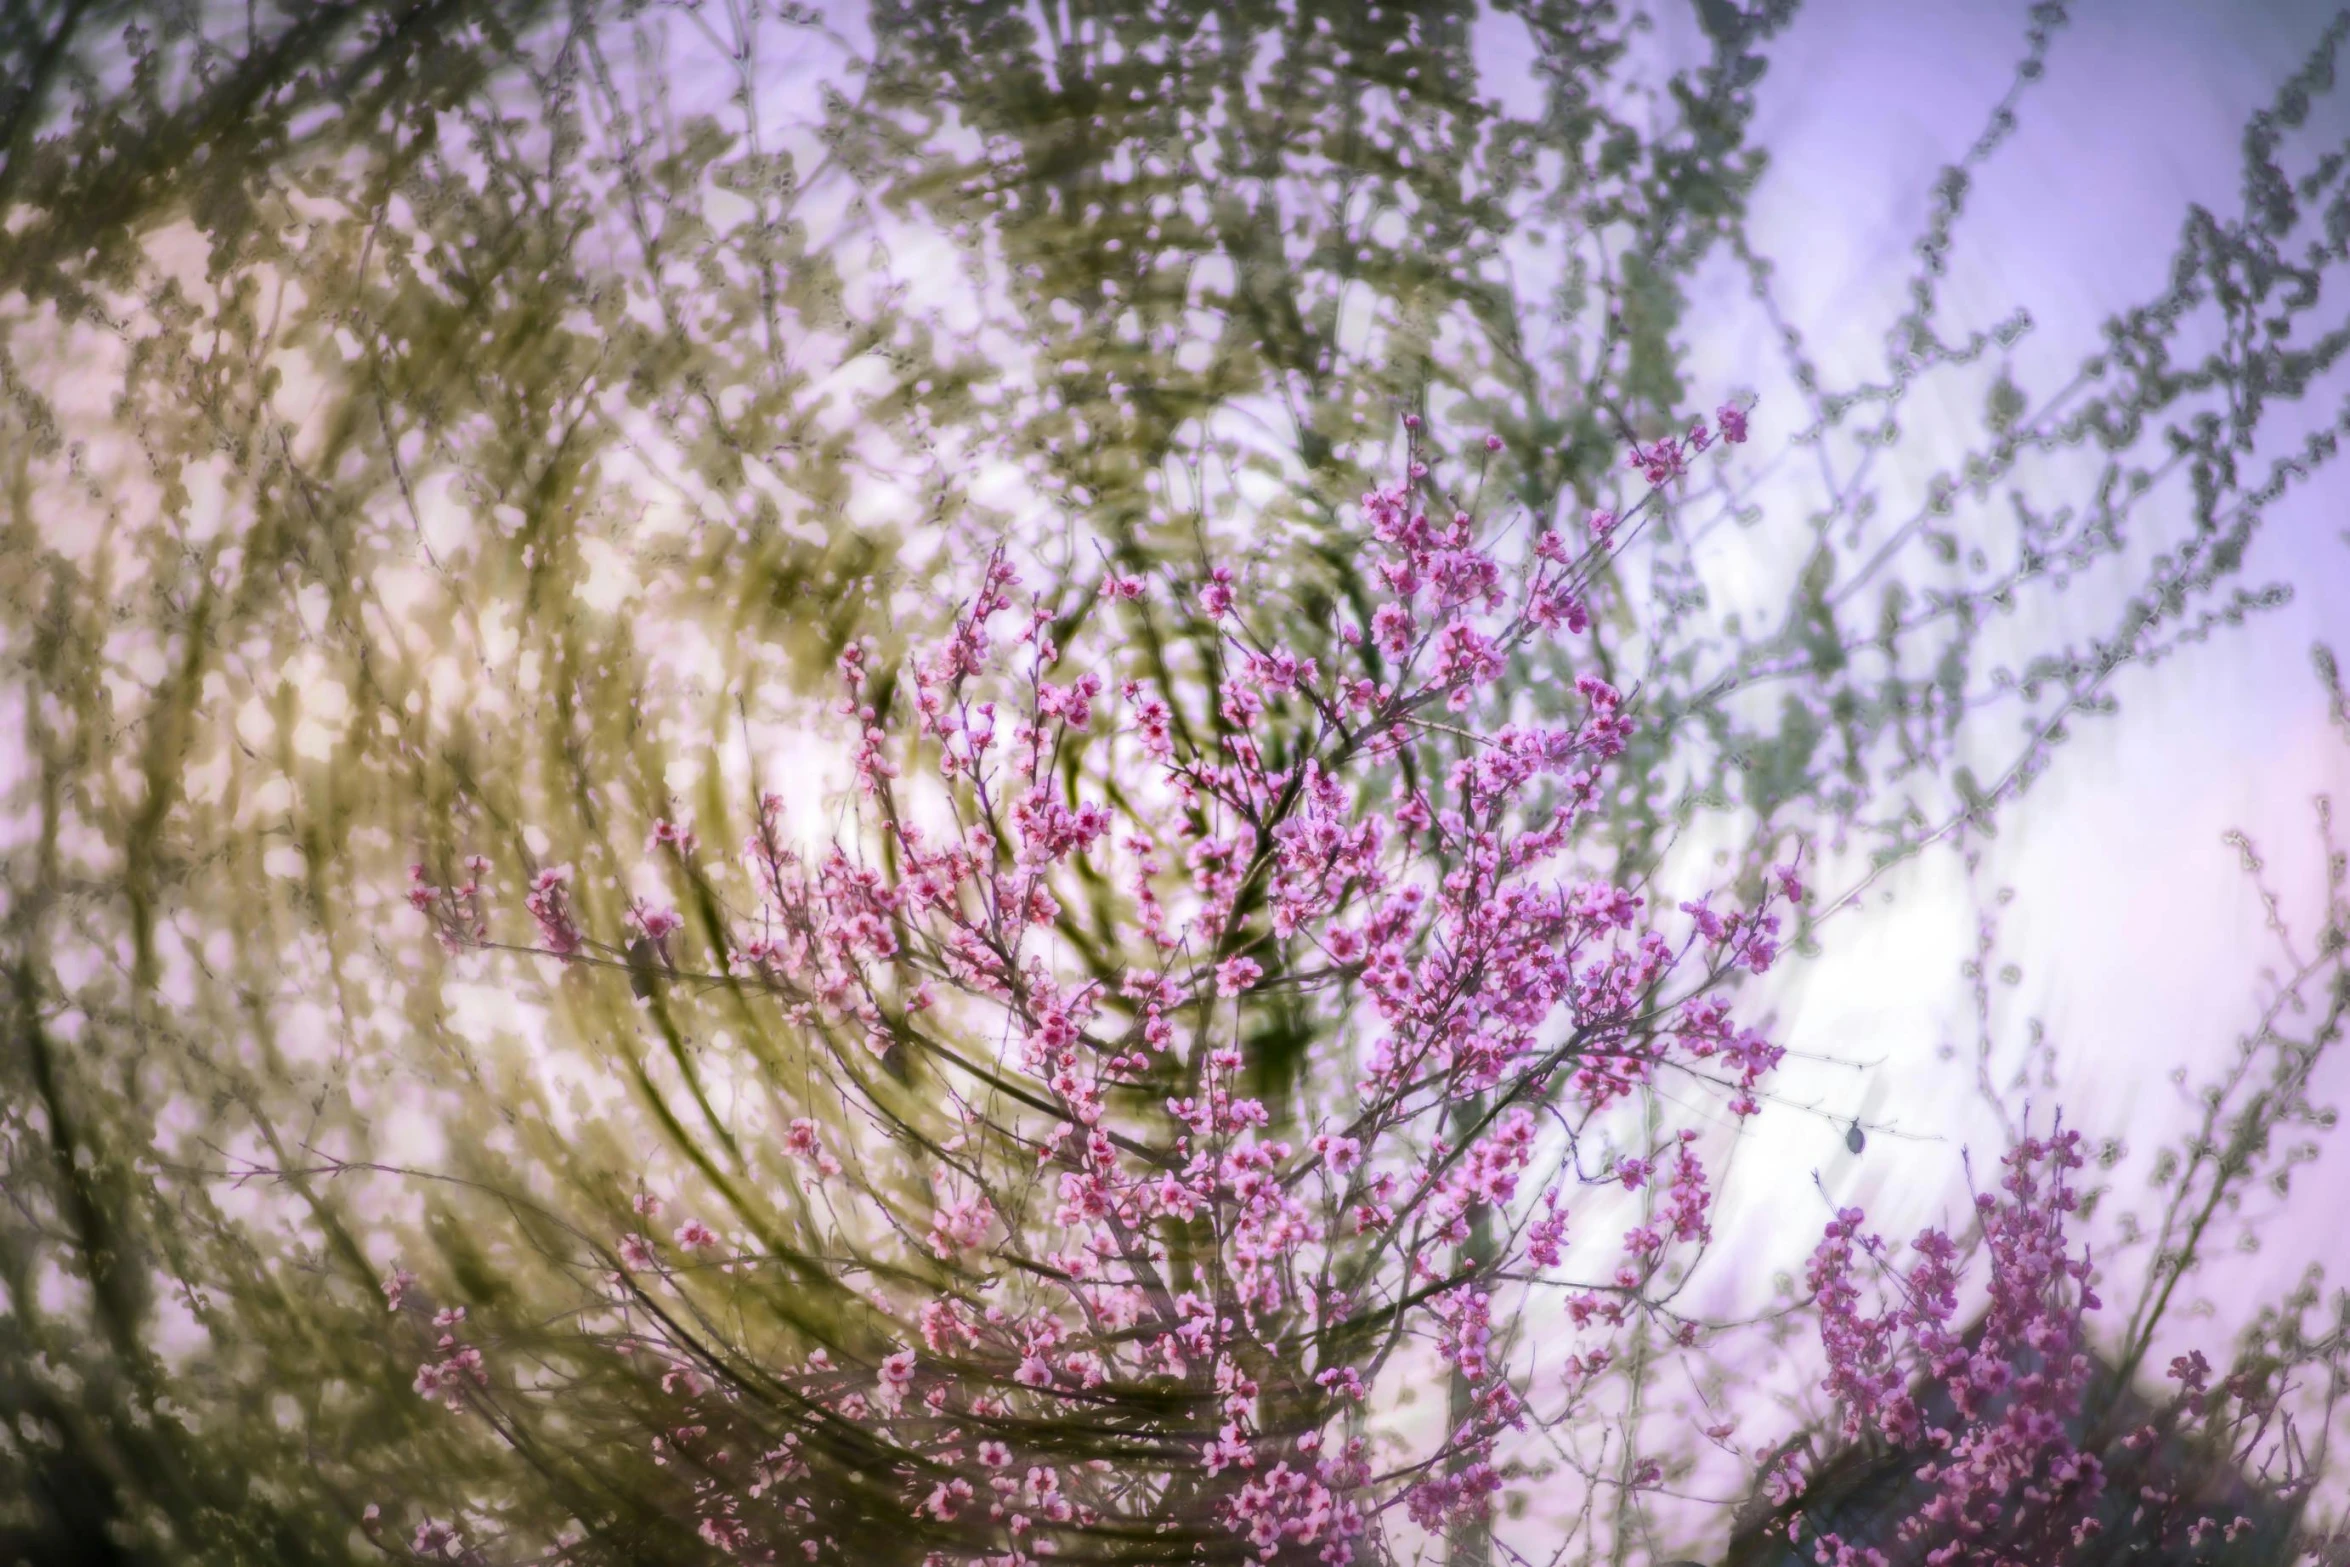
2140,938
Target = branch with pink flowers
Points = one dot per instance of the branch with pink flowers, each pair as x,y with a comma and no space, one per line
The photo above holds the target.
1101,1293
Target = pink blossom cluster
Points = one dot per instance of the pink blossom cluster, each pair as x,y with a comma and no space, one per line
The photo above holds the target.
457,913
1993,1409
2002,1442
1664,460
1127,1235
446,1378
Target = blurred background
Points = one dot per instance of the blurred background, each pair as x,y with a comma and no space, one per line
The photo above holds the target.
430,429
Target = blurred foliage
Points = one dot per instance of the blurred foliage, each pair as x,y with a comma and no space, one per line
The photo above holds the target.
435,428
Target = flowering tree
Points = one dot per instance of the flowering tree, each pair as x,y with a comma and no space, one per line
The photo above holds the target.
1089,1289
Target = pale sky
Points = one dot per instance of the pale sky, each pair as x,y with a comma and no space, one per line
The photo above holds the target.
2140,938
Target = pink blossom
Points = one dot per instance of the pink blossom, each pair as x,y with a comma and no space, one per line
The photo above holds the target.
803,1142
396,1286
435,1538
548,903
668,835
1215,597
1235,975
656,923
